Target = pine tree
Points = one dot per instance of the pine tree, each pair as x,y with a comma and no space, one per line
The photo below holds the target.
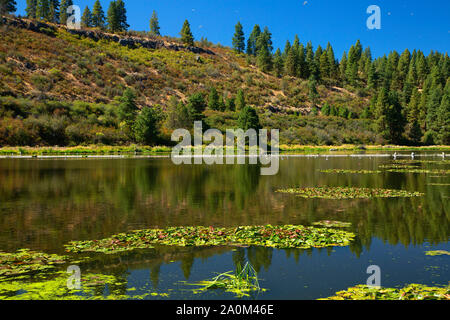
264,48
113,18
291,65
154,24
443,119
239,39
324,67
240,100
186,35
251,42
278,63
128,109
433,104
54,11
196,106
42,10
343,68
98,15
86,19
145,126
248,119
31,9
121,15
331,62
63,15
8,6
213,99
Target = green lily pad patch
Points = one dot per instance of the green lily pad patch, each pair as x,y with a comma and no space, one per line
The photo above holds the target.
351,171
348,193
26,261
428,171
331,224
288,236
437,253
410,292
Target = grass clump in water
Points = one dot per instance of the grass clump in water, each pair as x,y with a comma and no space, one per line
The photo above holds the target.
410,292
288,236
348,193
242,281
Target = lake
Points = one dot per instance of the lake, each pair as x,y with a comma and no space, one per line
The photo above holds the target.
47,202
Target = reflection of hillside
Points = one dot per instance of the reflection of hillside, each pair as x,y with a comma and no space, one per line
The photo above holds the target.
45,204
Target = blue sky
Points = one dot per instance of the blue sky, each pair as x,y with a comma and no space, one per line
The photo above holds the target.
409,24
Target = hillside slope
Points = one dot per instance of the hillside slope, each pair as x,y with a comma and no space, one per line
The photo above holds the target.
46,72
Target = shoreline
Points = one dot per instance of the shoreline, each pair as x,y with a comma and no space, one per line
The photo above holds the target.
163,151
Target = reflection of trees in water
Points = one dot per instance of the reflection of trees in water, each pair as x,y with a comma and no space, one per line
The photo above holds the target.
47,203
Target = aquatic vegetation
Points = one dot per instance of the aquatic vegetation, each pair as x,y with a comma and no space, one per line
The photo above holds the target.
241,282
405,161
348,193
26,261
351,171
410,292
437,253
430,171
331,224
288,236
54,287
397,166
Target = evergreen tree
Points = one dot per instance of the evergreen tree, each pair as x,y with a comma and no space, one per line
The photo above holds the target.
248,119
313,94
128,108
98,15
146,126
8,6
86,19
324,66
113,18
433,104
278,63
31,9
239,39
121,15
186,35
443,118
287,48
213,99
42,10
196,106
63,15
390,122
154,24
54,11
331,62
177,115
240,100
251,42
291,63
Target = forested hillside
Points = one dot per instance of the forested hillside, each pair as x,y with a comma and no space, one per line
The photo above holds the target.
104,84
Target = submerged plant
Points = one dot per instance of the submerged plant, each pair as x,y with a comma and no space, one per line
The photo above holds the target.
288,236
348,193
241,282
410,292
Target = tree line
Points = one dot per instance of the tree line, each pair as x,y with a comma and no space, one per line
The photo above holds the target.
410,91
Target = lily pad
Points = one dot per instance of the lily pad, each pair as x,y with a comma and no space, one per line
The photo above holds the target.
348,193
25,261
288,236
437,253
331,224
351,171
410,292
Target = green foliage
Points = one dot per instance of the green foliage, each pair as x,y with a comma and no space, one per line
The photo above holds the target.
86,19
154,24
186,35
98,15
196,106
145,127
239,39
248,119
348,193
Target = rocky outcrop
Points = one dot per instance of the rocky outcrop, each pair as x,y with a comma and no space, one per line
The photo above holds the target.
128,41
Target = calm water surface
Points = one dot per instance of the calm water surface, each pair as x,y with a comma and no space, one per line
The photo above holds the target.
45,203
